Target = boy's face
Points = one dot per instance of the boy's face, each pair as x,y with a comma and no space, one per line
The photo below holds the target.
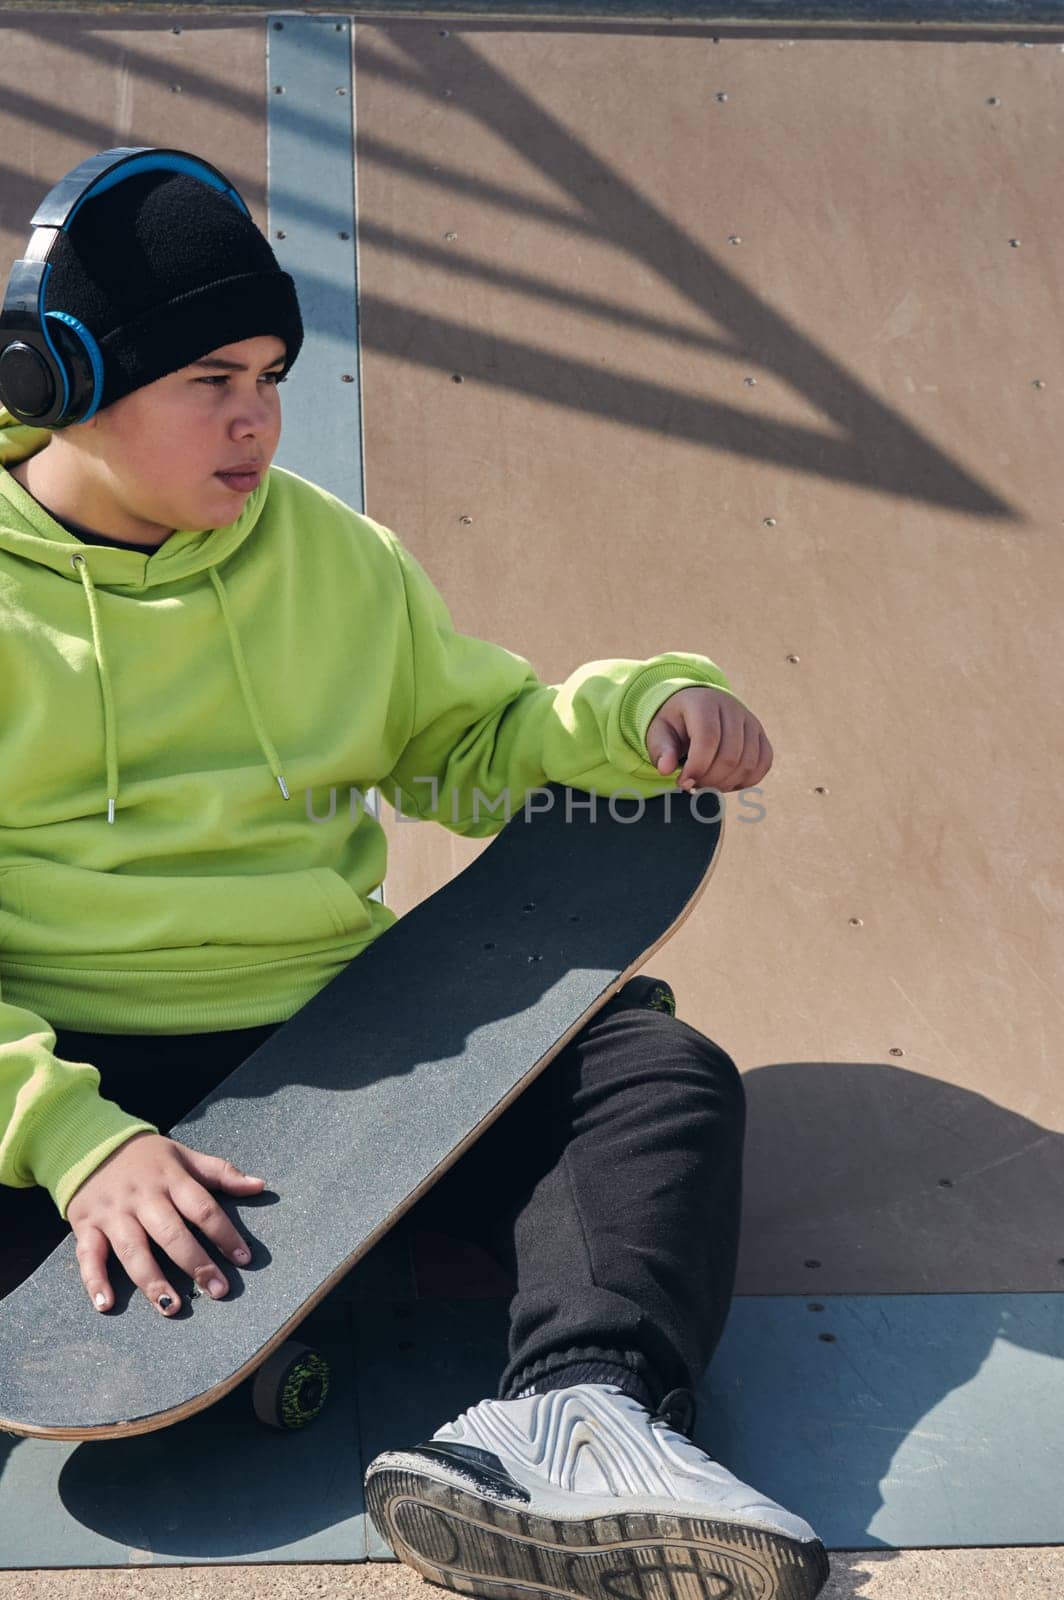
159,450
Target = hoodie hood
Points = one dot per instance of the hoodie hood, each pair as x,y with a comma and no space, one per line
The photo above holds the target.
27,530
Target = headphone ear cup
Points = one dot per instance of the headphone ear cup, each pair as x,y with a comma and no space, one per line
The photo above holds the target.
32,376
82,363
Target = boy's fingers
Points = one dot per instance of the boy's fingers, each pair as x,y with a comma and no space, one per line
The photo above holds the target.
166,1225
213,1170
751,769
190,1202
706,746
92,1251
132,1248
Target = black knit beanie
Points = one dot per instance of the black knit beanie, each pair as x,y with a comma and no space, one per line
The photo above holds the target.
162,268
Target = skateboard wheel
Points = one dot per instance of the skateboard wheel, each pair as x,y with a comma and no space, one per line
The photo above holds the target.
662,999
290,1388
653,994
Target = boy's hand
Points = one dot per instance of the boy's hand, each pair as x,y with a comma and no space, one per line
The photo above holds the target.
149,1186
721,744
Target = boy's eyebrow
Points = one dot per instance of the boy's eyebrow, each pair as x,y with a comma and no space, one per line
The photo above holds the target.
223,365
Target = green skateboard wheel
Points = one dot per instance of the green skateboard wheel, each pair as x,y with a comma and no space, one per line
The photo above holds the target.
291,1388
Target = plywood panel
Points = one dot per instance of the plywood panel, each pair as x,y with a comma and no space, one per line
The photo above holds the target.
761,343
74,84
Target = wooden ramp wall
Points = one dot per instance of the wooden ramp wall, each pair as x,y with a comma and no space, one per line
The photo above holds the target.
761,341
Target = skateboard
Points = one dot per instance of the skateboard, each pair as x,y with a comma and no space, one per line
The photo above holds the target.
355,1105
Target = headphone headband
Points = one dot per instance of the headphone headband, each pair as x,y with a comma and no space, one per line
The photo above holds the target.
51,369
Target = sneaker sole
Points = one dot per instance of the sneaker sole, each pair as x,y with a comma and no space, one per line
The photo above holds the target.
476,1545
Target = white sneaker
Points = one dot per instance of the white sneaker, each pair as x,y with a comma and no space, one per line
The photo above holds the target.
581,1494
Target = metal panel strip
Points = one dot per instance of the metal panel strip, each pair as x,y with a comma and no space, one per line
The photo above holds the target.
311,207
310,175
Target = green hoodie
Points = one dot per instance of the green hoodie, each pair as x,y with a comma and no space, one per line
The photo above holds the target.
174,729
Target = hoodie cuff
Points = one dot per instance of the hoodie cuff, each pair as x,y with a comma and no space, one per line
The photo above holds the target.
73,1136
648,692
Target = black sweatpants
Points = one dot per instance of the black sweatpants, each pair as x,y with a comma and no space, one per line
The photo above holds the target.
609,1190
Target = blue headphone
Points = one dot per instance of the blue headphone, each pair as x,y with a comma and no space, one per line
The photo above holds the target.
51,369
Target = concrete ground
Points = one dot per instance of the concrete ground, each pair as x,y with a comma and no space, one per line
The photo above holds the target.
1025,1573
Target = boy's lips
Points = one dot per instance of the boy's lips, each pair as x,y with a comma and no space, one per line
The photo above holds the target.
241,478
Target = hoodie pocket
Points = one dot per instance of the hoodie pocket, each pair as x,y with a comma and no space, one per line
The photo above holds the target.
49,908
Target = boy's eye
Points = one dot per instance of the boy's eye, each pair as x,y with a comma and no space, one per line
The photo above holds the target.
272,377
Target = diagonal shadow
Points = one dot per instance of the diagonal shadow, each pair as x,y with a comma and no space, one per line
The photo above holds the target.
878,448
453,347
556,293
872,445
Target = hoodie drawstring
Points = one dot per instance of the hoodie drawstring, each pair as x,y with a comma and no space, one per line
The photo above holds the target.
265,742
80,565
110,752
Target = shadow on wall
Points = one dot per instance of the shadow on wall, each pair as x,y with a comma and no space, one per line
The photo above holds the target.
863,441
866,443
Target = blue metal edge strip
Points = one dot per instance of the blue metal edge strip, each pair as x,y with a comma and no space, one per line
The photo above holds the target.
310,166
313,229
